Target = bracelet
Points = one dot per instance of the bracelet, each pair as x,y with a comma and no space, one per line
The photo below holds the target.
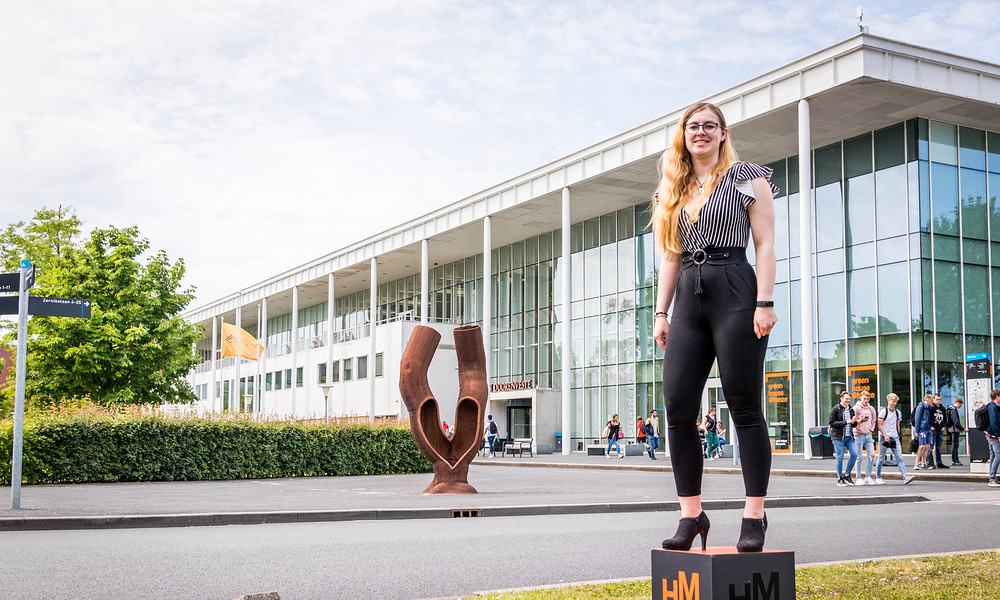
661,314
765,303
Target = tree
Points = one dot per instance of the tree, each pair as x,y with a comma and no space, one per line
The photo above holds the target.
42,240
135,348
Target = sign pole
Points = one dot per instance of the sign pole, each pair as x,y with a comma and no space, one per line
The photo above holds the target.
22,362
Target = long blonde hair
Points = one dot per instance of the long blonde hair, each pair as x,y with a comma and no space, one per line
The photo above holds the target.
678,181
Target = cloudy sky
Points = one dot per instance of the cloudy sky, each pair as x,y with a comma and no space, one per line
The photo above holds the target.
248,137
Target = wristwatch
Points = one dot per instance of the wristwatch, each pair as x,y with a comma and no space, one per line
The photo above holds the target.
765,303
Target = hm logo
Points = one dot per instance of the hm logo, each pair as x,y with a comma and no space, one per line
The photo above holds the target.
681,588
760,592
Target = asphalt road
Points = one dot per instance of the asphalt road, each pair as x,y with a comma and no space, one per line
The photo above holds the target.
447,557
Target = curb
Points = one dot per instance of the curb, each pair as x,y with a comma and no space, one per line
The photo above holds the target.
919,476
332,516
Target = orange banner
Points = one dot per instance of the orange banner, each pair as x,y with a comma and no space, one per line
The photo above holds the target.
233,336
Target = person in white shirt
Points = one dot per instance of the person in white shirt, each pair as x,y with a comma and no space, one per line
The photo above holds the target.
888,427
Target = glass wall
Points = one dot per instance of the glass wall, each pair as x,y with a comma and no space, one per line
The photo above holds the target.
906,240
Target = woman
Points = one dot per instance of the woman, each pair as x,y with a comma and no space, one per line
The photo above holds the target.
611,432
710,426
705,208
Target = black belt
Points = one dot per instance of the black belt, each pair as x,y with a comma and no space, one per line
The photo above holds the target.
712,256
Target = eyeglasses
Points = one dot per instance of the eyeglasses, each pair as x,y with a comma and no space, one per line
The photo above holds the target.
709,127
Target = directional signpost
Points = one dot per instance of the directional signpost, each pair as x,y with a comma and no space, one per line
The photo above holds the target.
38,306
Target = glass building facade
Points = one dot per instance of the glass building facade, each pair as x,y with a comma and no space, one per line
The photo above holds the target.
907,250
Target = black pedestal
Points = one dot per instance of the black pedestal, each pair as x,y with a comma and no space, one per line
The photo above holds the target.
722,573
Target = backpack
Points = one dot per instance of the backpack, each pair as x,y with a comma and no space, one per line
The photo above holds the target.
647,428
982,417
493,427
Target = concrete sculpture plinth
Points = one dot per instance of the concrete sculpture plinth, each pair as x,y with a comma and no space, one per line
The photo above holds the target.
450,457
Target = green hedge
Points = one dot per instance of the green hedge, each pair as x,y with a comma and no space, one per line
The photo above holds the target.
155,448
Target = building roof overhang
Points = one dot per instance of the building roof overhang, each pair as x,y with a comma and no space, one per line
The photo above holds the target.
855,86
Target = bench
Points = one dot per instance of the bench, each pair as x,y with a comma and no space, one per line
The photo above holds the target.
518,446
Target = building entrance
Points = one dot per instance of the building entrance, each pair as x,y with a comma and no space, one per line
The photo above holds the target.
519,418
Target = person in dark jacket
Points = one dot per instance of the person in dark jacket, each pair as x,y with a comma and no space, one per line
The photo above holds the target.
955,430
922,430
993,436
842,421
939,425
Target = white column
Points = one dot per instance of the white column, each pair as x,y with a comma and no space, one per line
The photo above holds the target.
258,384
424,280
373,319
236,397
805,269
331,318
487,288
566,342
295,344
215,364
263,357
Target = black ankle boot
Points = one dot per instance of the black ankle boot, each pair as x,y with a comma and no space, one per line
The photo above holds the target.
752,535
687,528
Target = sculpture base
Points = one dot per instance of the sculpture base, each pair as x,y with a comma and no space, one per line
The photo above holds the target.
722,573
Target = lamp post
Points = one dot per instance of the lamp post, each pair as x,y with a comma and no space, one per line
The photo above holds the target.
326,387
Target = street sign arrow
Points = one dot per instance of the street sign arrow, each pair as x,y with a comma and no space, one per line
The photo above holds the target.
42,306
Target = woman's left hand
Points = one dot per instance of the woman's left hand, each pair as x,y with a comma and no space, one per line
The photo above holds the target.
764,319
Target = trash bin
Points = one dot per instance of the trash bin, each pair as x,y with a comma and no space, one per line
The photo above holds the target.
819,440
979,449
558,444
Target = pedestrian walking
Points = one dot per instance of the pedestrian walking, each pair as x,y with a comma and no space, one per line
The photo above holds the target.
922,431
864,435
710,425
613,432
992,434
705,208
640,432
889,419
842,421
955,430
491,433
652,429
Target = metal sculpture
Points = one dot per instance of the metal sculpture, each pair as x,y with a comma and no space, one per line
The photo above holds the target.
450,457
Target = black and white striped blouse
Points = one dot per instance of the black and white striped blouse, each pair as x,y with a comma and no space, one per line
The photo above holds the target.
724,221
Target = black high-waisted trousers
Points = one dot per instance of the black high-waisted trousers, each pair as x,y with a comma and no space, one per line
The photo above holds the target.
715,324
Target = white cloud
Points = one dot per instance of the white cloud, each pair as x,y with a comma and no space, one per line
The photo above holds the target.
201,120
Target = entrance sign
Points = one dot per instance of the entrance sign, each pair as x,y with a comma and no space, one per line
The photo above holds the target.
778,411
511,386
863,379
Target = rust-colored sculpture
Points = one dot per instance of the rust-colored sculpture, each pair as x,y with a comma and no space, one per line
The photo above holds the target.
451,458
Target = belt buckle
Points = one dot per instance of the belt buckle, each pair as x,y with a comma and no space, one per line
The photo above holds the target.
699,256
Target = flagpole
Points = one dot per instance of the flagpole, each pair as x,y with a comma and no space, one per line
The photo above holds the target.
215,362
239,350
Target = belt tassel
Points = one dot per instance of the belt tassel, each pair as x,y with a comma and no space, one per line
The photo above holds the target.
698,289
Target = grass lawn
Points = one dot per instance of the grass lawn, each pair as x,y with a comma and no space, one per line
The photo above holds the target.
955,577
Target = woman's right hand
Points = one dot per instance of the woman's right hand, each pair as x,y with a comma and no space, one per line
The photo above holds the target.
660,328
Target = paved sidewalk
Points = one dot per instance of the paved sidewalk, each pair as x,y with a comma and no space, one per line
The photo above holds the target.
554,485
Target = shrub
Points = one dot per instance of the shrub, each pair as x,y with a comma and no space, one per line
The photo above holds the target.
88,445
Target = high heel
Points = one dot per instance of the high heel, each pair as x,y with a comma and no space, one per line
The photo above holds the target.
687,528
752,535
